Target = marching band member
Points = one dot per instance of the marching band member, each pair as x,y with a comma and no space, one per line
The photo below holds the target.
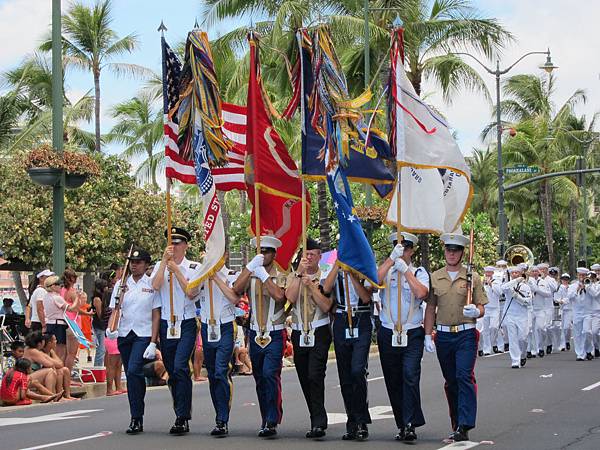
456,337
492,285
134,335
582,323
217,314
176,340
264,286
502,274
562,297
551,329
516,321
595,288
554,327
541,293
352,342
311,335
401,361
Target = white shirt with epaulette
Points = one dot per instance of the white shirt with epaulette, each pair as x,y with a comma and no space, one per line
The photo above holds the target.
389,300
136,306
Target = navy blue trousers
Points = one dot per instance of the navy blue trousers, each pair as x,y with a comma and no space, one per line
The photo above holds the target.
132,349
352,357
266,368
456,353
217,359
176,355
402,374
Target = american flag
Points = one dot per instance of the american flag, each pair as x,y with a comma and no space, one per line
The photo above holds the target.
226,178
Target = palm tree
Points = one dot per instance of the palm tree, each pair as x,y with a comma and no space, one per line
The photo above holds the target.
484,179
90,43
140,129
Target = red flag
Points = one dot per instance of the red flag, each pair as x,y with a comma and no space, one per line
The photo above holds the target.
269,165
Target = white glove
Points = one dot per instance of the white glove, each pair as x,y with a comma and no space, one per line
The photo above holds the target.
400,265
429,344
112,334
471,311
261,273
150,352
397,252
255,263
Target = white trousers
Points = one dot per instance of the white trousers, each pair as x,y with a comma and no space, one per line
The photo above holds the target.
489,332
582,335
554,329
517,329
595,329
566,327
540,330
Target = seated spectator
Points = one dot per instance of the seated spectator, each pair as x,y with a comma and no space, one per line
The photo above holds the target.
42,362
17,348
15,386
54,308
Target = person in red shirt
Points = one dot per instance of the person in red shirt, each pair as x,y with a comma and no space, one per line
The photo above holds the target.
15,386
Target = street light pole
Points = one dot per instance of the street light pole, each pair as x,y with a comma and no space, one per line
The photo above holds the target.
548,66
58,190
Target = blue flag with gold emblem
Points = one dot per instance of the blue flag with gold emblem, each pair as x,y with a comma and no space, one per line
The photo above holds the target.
354,252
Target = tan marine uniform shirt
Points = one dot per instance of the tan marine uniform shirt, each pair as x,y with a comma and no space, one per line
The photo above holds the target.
450,296
316,317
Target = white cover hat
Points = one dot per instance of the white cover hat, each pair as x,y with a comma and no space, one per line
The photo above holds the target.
406,236
566,275
267,242
595,266
543,266
45,273
515,269
489,269
455,239
583,270
501,262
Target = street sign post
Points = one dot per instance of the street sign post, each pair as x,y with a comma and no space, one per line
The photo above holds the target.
521,168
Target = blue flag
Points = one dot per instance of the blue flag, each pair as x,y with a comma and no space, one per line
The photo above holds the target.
362,167
354,252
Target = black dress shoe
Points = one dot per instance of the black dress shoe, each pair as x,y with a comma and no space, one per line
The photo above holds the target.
461,434
411,434
349,436
523,361
362,432
549,350
580,359
136,426
596,353
529,355
495,349
568,346
480,353
315,433
401,434
220,430
541,353
486,354
589,356
181,426
514,366
268,431
505,347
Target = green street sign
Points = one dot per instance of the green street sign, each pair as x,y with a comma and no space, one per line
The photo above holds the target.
521,168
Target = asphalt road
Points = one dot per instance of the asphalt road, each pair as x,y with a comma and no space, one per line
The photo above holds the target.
553,403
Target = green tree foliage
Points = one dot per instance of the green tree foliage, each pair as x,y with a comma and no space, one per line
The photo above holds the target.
102,218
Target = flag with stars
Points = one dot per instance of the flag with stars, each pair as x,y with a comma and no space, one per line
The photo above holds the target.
214,233
354,251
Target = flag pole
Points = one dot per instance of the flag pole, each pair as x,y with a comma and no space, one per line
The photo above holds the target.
173,318
348,303
211,320
399,239
259,292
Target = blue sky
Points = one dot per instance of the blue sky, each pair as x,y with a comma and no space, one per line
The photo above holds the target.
537,24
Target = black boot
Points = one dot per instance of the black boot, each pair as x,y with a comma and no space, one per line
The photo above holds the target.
523,361
269,431
480,353
181,426
411,434
541,353
589,356
136,426
362,432
495,349
505,348
549,349
401,434
568,346
461,434
220,430
597,353
529,355
315,433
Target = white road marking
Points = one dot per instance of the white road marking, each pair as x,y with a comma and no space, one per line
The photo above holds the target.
368,379
460,445
494,354
591,386
79,414
376,412
85,438
548,375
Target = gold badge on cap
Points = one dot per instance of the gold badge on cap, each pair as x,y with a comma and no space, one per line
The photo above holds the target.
173,230
136,253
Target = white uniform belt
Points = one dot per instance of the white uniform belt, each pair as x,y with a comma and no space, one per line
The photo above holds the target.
455,328
314,324
228,319
405,326
280,326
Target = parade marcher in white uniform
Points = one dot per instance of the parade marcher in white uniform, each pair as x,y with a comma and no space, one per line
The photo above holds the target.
502,274
582,316
492,285
516,316
552,329
562,298
401,360
541,293
595,289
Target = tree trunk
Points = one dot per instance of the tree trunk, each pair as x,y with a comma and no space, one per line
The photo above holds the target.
152,168
97,108
572,225
324,225
522,227
545,206
16,276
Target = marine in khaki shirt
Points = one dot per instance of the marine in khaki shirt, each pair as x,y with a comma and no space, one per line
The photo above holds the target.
450,296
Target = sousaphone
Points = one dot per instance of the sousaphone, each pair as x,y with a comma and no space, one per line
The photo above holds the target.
518,254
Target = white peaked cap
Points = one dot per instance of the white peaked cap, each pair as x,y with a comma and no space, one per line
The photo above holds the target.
455,238
405,237
267,242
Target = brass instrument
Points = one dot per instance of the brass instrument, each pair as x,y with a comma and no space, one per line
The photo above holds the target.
518,254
